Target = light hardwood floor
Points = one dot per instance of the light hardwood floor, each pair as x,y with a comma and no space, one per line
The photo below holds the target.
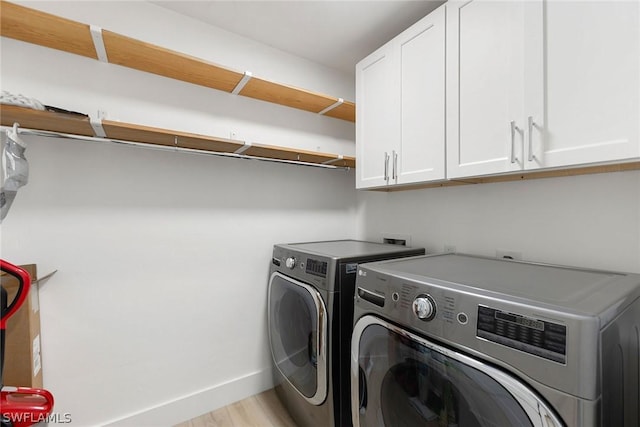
261,410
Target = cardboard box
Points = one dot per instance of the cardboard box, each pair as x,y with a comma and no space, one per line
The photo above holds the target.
22,359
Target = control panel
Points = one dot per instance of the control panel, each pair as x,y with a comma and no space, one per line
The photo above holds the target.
538,337
310,269
316,267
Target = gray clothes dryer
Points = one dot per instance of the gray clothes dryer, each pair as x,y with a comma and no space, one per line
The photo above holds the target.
310,316
463,340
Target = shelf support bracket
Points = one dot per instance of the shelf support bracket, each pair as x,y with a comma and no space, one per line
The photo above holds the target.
242,149
98,130
243,81
331,107
337,159
98,43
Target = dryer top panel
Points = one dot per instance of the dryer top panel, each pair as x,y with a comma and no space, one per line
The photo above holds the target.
587,291
352,249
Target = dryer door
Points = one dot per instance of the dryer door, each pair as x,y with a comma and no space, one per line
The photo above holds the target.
399,378
297,336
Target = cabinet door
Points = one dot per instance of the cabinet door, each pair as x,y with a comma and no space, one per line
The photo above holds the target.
421,56
589,76
485,87
377,117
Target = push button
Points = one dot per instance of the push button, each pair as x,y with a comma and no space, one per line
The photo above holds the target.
463,319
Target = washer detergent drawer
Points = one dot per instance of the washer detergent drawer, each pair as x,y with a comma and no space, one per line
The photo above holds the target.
297,336
399,378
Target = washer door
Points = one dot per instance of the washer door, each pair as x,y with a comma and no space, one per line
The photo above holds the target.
401,379
297,336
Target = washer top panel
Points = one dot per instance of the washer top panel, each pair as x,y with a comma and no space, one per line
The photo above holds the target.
573,288
348,249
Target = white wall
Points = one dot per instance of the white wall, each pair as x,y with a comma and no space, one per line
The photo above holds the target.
588,221
158,310
162,263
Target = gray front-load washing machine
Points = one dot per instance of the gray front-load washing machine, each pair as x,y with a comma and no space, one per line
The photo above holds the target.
310,315
472,341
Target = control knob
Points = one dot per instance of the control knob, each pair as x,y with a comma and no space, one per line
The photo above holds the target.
424,307
290,263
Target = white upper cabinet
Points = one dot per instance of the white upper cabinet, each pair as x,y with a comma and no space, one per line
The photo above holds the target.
400,114
377,114
584,98
541,84
422,101
485,87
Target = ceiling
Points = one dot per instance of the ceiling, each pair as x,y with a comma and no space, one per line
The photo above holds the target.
334,33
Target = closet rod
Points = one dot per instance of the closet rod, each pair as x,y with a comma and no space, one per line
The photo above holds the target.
50,134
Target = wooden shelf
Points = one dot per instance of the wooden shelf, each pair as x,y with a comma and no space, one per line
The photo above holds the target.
45,120
76,124
32,26
346,111
170,138
143,56
286,95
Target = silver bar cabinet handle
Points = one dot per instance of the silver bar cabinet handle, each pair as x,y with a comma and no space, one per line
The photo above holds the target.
514,128
395,165
531,124
386,166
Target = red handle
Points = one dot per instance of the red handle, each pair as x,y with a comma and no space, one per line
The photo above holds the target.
25,406
24,281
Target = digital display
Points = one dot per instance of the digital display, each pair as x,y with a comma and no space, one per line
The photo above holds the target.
317,268
520,320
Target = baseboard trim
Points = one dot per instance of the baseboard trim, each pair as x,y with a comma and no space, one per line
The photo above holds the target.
198,403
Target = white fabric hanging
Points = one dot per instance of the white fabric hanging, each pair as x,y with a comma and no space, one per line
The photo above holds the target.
15,168
20,100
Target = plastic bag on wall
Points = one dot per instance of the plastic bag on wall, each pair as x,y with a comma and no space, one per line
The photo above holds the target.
15,168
